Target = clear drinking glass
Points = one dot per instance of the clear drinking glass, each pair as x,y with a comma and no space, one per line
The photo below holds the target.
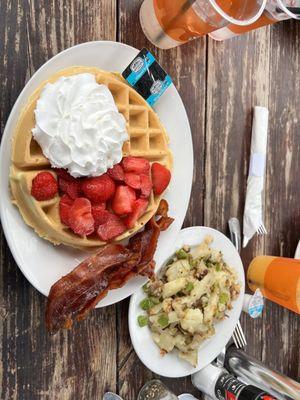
156,390
169,23
275,11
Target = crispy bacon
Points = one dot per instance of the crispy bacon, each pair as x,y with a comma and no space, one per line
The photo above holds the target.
75,294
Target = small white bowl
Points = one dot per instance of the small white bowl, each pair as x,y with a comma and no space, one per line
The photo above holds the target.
171,365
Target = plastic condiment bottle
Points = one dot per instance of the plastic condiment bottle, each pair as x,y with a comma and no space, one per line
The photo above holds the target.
218,384
278,278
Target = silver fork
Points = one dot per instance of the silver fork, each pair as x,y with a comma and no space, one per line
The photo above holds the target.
261,230
238,336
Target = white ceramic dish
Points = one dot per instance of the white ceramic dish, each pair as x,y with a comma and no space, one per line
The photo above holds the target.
171,365
40,261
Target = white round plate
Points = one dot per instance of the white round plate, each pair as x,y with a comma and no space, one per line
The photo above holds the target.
41,262
171,365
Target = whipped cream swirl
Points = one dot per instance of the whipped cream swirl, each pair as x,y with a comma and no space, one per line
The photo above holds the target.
78,126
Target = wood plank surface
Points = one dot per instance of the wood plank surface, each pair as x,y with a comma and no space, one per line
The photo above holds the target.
81,363
219,84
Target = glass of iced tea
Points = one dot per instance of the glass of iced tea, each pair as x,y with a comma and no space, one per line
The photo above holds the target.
169,23
275,11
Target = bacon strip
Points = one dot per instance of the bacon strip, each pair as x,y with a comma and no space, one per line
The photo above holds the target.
77,293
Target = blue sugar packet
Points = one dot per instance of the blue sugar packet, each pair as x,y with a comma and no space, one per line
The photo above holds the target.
147,77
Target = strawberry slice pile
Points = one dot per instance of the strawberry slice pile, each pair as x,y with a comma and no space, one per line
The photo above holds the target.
106,205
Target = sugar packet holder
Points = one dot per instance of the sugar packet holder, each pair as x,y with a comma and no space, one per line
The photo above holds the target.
147,77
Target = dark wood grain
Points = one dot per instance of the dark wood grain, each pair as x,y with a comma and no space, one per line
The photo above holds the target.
80,364
219,84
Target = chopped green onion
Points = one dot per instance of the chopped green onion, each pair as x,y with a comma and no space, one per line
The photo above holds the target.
154,300
189,287
170,261
181,254
146,288
224,298
218,267
163,320
146,304
142,320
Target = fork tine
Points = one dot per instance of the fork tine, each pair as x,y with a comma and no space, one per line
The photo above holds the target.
239,337
261,230
242,335
237,333
235,340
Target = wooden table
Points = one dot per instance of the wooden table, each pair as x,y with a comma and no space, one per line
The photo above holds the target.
219,84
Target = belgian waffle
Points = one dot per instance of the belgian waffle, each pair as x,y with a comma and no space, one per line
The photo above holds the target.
147,139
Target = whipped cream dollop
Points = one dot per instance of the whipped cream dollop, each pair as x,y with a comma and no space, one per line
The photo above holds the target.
78,126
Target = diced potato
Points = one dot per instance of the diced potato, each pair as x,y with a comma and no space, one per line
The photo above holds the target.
155,309
180,342
201,251
173,317
211,308
208,239
164,340
167,305
202,287
192,320
180,304
190,356
173,287
220,278
216,255
201,267
179,269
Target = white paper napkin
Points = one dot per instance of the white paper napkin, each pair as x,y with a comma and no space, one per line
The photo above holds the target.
253,218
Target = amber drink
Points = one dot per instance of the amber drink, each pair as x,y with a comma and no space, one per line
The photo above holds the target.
169,23
278,278
275,11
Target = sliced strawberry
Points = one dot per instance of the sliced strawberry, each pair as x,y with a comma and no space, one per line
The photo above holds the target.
112,228
100,215
139,208
160,178
44,186
65,204
101,205
63,173
81,220
136,164
70,186
123,200
133,180
146,186
100,188
116,173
